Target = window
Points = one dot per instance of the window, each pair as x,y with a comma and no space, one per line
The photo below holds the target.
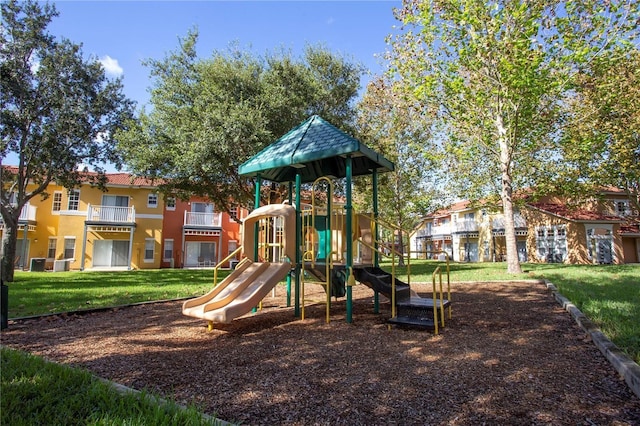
551,243
51,250
233,245
170,203
201,207
74,200
168,250
622,208
149,249
115,200
600,242
233,212
56,205
69,247
152,200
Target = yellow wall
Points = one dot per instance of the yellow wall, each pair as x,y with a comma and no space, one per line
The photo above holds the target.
60,224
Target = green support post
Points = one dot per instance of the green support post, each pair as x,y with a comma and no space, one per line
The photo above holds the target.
296,309
256,204
292,260
349,263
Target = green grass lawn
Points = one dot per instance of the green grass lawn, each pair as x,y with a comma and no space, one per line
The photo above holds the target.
37,392
36,293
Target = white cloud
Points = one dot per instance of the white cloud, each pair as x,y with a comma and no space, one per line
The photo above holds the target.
111,66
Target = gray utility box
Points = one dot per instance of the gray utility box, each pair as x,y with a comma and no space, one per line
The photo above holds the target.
61,265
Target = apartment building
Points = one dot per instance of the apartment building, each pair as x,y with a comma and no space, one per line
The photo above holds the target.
128,226
600,230
196,235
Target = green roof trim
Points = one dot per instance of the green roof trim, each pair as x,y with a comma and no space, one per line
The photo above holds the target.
314,148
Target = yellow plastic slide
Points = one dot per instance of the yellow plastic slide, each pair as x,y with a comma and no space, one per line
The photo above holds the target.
238,293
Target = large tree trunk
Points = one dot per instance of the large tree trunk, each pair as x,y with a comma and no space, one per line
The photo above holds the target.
9,240
400,245
513,263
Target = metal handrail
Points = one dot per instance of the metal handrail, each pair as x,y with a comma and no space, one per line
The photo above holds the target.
447,257
328,267
223,261
435,300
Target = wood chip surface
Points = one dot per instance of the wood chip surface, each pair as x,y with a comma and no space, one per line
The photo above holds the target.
509,355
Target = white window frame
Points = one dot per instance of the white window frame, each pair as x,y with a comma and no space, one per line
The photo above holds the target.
70,241
170,203
149,250
152,200
167,242
622,207
232,246
591,239
56,201
551,241
73,200
52,245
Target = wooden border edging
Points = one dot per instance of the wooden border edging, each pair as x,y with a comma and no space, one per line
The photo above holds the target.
624,365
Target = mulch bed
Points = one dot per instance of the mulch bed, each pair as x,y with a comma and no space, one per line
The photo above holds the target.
509,355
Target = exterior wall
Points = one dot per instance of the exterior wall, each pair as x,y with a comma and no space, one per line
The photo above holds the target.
156,223
172,230
65,224
536,219
173,226
148,225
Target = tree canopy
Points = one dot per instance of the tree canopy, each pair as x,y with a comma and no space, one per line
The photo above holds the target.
601,144
210,115
493,77
395,126
59,111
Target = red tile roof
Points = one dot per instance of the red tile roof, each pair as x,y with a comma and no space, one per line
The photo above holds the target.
128,180
630,228
575,214
125,179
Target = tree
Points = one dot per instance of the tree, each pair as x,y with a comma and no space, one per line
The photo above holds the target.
393,125
495,75
210,115
59,111
602,140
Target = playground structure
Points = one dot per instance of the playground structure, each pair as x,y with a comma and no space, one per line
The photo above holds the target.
328,243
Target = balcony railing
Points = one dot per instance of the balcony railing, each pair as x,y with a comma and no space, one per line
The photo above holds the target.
435,230
465,226
27,214
111,214
205,220
519,221
468,226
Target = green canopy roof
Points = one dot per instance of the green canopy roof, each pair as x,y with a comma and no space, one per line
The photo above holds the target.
314,148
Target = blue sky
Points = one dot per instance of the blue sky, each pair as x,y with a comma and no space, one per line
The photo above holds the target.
124,33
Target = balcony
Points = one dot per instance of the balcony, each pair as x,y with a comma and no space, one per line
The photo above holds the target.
519,222
202,220
463,226
435,230
27,216
110,214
